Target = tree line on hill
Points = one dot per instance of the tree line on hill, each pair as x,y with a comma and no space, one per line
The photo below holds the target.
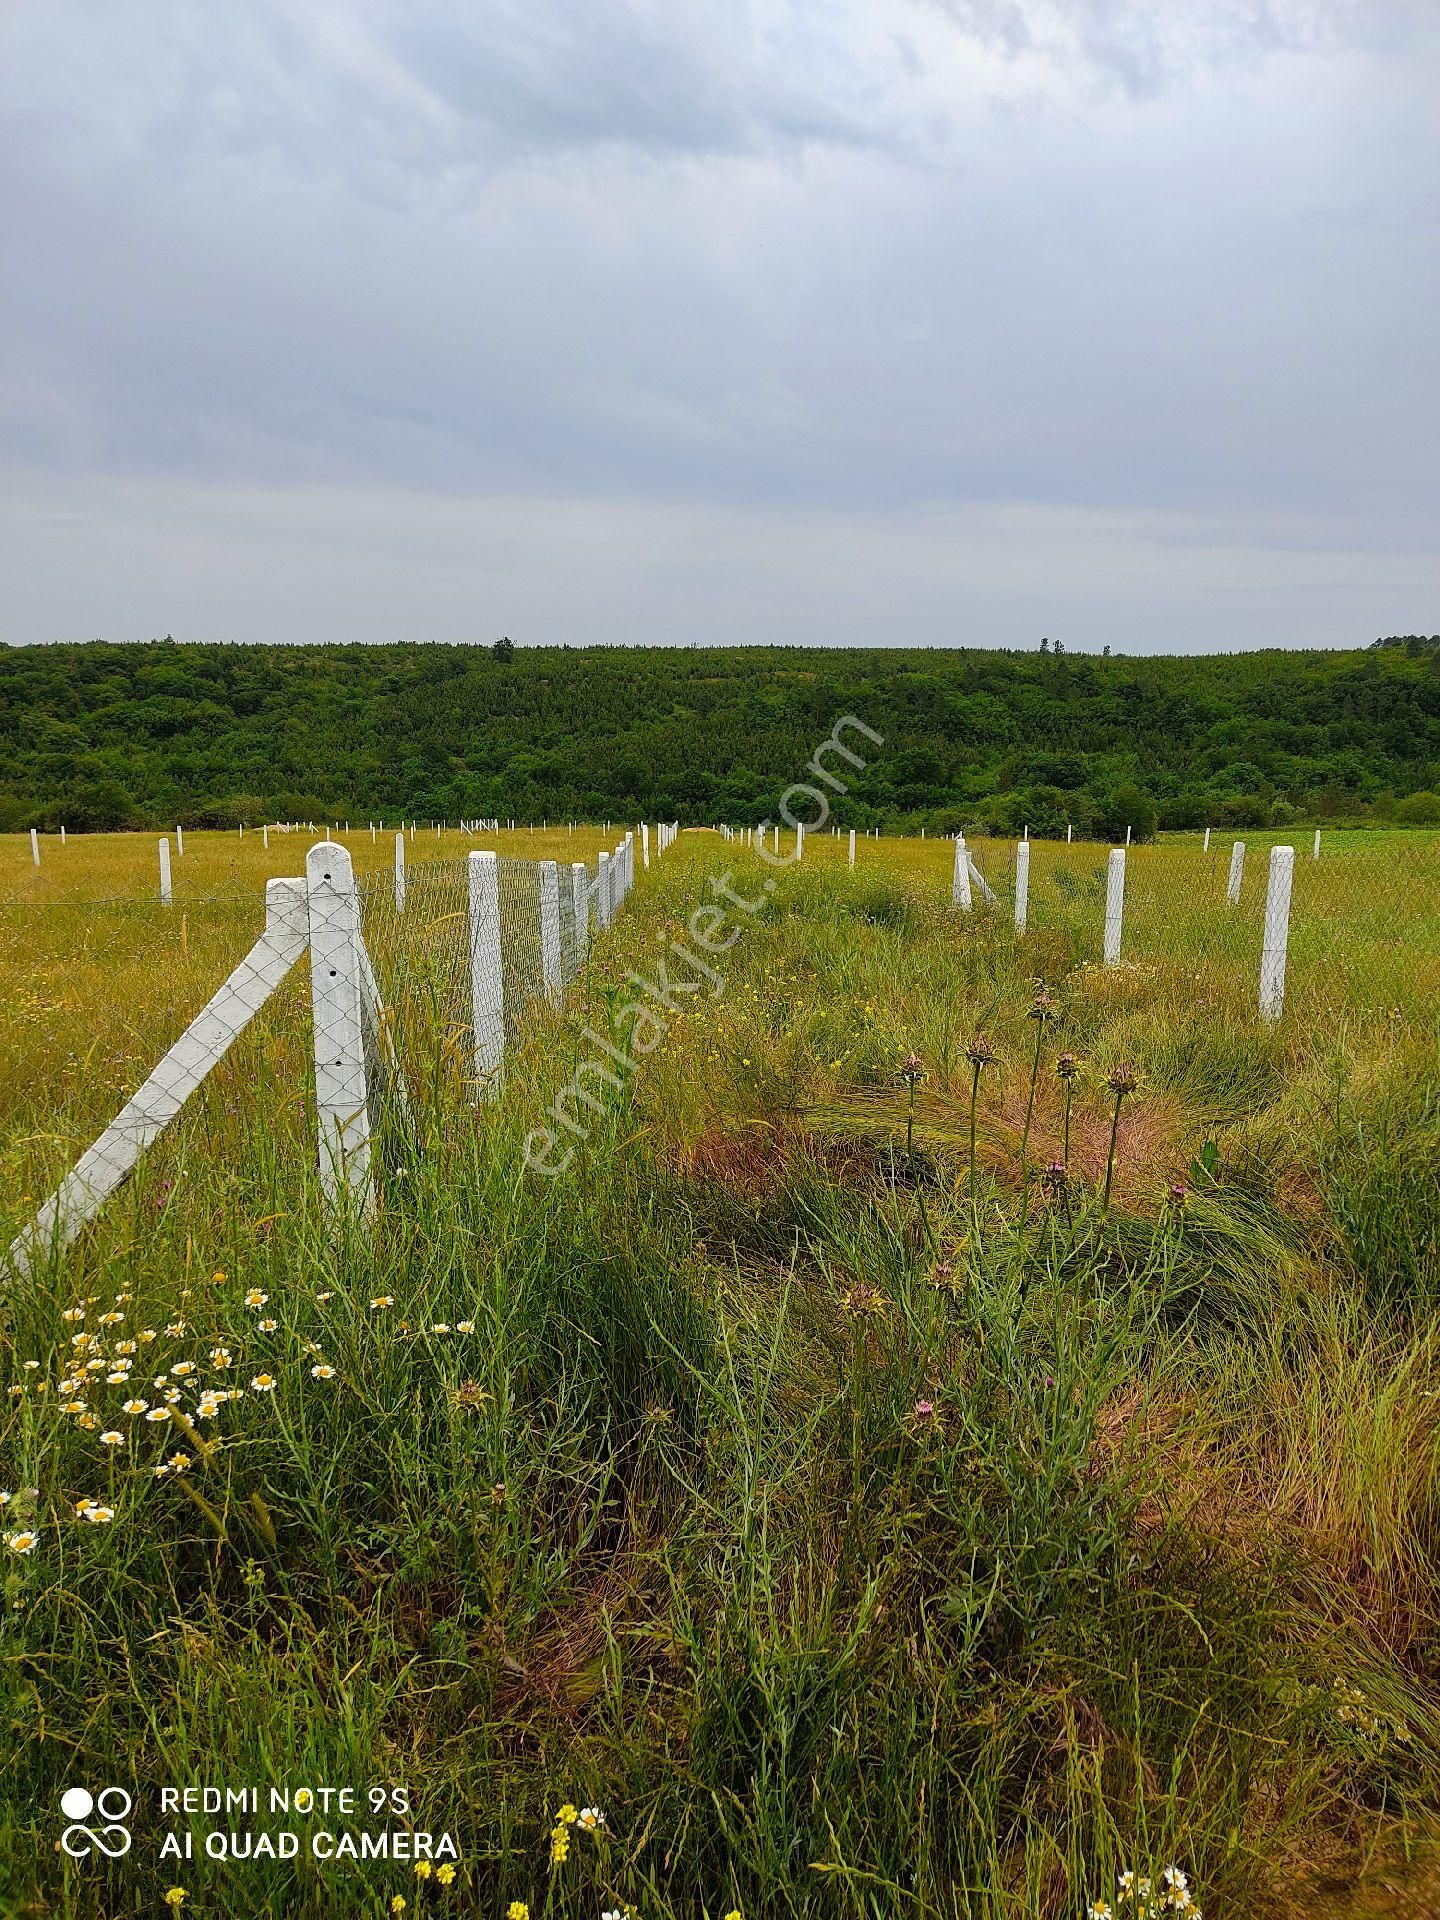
104,736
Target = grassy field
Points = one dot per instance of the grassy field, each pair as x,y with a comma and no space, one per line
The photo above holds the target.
883,1475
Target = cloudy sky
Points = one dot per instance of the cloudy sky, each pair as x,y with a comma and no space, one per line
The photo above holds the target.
935,322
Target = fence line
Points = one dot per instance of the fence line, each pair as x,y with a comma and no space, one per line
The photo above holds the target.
516,924
1345,936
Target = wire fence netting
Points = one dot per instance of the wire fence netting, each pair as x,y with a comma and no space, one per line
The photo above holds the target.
1362,930
97,994
431,958
94,992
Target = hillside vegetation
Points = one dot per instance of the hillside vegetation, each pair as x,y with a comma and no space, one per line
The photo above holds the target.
115,736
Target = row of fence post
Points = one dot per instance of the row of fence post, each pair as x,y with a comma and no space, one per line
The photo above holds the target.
1275,939
666,834
339,970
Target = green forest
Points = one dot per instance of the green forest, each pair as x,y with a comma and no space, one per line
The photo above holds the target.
104,736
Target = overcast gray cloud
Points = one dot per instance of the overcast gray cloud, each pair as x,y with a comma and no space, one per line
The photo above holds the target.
890,320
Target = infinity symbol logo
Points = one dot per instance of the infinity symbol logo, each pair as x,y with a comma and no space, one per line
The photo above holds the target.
113,1806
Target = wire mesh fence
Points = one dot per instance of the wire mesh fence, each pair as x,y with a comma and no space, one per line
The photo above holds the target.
434,959
1355,928
115,1009
418,974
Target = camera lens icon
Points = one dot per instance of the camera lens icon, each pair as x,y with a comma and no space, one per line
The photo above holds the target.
112,1805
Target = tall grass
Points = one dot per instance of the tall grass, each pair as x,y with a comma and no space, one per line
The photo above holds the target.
865,1530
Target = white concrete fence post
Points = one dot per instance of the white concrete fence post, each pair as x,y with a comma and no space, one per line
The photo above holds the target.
265,837
1022,885
1206,848
164,872
180,842
1315,855
342,1093
799,843
1069,832
960,894
645,844
34,846
400,872
602,893
487,977
580,906
1275,944
1114,905
1237,873
852,846
1127,836
550,970
62,836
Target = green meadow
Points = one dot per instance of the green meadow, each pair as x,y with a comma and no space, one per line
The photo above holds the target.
960,1437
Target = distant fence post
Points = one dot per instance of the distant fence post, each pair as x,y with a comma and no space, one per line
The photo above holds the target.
602,893
1206,848
1022,885
1069,831
265,836
62,835
34,846
1277,932
164,873
550,971
580,903
1314,856
487,978
799,843
180,842
1237,873
852,846
960,894
1114,905
645,844
342,1093
400,872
